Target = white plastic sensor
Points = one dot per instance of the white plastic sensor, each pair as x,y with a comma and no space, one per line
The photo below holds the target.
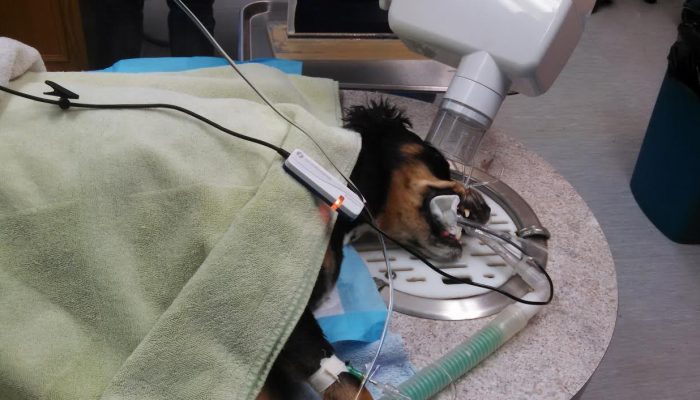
327,374
495,45
444,209
527,42
309,173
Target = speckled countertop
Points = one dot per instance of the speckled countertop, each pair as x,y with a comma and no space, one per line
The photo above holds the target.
556,354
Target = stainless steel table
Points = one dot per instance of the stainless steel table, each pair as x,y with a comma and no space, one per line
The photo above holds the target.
386,75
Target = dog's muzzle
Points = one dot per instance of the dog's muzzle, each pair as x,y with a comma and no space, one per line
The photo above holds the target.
444,211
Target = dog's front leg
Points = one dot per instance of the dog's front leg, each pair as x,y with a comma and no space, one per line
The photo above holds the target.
301,358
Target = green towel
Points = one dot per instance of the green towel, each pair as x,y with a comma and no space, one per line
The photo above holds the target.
144,255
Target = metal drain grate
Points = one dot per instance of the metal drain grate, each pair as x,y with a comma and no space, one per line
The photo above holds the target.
424,293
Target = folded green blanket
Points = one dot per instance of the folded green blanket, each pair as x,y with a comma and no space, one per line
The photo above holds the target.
144,255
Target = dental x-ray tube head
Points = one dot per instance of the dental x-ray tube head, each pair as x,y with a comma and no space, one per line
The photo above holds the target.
495,46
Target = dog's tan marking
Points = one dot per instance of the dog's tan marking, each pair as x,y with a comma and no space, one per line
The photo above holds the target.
402,212
329,263
346,389
331,267
264,395
402,217
411,149
409,184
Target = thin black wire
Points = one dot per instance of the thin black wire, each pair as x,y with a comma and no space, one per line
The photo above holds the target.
468,282
284,153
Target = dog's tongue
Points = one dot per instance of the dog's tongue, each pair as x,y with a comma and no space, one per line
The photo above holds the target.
444,210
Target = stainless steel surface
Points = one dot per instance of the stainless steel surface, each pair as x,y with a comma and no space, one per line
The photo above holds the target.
291,16
291,28
387,75
253,39
489,303
341,35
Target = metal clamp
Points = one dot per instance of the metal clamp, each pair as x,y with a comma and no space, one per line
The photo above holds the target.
533,231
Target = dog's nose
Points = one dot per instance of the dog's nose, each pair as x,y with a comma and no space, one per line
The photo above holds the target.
479,210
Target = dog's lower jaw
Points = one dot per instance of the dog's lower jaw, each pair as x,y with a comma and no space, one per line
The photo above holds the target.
440,252
432,247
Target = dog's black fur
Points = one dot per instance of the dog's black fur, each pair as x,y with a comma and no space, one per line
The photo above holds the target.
390,152
384,129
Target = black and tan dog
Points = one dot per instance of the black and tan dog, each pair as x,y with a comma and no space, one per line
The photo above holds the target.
398,173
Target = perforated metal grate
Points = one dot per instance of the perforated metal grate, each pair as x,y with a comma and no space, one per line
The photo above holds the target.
478,263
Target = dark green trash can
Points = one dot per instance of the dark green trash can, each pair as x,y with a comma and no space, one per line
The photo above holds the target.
666,179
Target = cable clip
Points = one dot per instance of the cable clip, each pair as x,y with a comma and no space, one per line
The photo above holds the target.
62,93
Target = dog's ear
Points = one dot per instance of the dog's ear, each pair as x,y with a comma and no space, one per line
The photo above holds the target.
376,117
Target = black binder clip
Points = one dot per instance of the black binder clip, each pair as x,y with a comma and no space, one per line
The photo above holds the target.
62,93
